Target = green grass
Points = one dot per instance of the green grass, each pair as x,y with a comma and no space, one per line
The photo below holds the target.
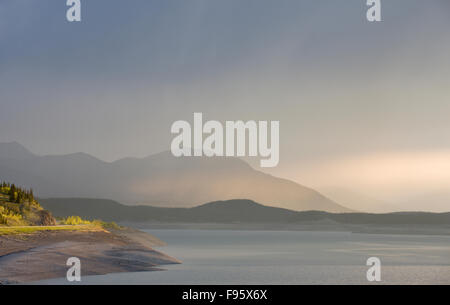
76,220
24,216
35,229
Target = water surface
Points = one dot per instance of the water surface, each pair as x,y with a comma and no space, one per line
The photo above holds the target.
291,257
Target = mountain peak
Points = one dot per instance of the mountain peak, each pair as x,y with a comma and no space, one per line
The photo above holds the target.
82,156
231,203
159,180
14,150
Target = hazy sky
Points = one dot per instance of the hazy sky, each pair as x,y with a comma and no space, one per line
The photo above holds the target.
361,106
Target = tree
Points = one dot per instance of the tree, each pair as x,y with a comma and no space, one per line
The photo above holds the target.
12,193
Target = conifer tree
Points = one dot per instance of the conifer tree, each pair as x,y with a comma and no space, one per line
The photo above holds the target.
12,192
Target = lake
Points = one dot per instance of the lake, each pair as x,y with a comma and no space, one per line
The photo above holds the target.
290,257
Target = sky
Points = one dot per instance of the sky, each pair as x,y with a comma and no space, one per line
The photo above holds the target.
362,106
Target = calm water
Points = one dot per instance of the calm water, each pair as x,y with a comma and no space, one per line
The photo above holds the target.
291,257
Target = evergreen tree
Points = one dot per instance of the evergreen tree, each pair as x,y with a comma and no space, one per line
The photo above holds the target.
31,195
12,192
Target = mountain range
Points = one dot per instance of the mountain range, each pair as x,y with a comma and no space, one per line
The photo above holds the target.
160,180
230,211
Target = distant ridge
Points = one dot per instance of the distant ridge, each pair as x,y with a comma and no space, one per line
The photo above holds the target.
230,211
13,150
157,180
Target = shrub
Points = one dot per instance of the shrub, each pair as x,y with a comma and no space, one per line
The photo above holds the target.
75,220
107,225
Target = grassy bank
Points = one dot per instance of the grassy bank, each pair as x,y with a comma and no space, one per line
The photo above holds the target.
20,213
34,229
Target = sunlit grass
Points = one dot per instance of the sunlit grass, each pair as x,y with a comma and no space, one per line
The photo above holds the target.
35,229
23,215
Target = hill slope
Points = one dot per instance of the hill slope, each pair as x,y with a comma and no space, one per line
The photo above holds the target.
158,180
19,208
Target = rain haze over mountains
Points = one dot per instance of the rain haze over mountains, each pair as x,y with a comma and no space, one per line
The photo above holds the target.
363,108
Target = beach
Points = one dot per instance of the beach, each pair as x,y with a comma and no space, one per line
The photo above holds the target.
262,257
43,255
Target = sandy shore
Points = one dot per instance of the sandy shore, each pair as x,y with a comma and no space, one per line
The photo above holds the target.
43,255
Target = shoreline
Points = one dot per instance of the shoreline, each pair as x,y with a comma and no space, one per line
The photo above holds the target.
43,255
431,230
